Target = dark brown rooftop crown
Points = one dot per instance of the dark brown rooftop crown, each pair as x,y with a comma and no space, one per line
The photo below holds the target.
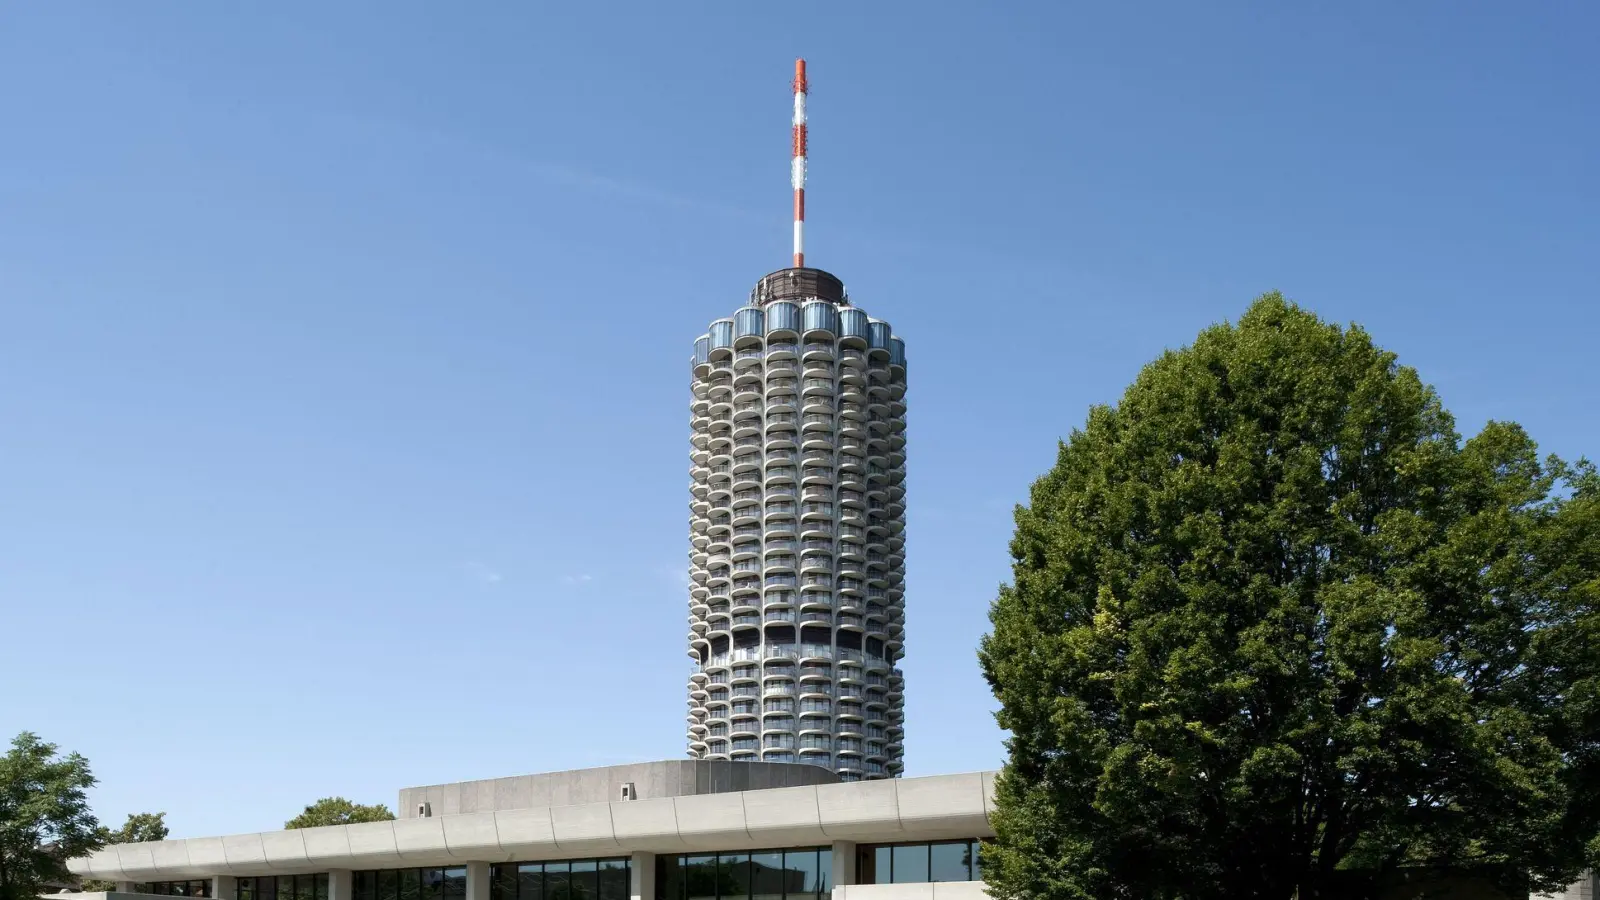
799,285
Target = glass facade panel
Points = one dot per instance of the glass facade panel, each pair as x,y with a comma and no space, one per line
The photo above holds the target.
783,317
558,881
699,878
767,876
735,878
455,884
614,879
669,869
266,888
950,862
721,334
410,884
809,873
188,888
702,350
910,864
530,880
747,322
853,323
388,882
878,335
801,874
821,316
916,863
432,884
502,883
584,885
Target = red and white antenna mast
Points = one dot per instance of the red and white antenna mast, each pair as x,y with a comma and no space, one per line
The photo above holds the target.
797,165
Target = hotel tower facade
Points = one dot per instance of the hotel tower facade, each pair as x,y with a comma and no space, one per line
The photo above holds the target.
797,524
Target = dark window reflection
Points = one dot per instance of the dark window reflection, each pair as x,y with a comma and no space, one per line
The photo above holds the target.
614,879
919,863
802,874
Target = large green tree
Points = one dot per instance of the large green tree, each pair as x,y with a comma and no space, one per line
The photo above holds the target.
1271,618
44,816
339,811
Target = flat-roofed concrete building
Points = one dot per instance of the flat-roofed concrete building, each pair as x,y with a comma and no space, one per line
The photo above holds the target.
675,830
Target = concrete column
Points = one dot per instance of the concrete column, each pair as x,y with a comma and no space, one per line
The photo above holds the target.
641,876
224,887
477,881
844,864
339,885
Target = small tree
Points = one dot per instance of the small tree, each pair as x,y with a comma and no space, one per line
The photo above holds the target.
139,828
1271,618
338,811
44,816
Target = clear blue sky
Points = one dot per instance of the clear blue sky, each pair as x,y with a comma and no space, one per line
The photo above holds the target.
343,347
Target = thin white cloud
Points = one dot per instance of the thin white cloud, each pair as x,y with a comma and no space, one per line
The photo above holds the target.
576,579
482,574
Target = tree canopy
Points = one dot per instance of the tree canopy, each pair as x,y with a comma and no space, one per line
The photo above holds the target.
338,811
44,816
1271,618
139,828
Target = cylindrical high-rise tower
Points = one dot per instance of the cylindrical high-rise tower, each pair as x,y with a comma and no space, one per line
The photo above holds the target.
796,601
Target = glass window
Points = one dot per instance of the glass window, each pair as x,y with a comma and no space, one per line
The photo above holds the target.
267,888
410,884
584,885
767,876
432,884
879,867
806,872
910,864
502,883
669,878
530,881
388,885
735,875
361,885
557,881
245,889
949,862
700,877
614,879
455,884
319,884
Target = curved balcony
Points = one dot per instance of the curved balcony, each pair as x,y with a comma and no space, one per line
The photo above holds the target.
815,563
818,349
816,598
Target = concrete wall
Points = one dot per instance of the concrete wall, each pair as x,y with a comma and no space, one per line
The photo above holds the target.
652,780
938,807
941,890
1585,888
